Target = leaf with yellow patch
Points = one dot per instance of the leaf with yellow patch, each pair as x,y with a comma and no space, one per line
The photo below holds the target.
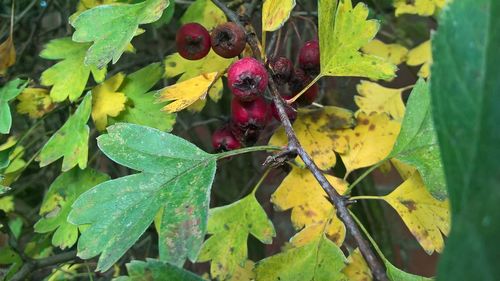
316,131
185,93
379,99
341,35
419,7
312,213
427,218
357,269
245,272
204,12
394,53
35,102
275,13
370,141
421,55
404,170
106,101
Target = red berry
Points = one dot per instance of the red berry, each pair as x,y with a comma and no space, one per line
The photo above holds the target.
247,79
282,69
193,41
309,57
253,114
291,110
247,135
224,140
228,40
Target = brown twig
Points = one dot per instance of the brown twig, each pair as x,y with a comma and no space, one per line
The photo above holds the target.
294,145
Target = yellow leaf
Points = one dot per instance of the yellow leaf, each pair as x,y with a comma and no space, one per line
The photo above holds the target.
419,7
106,101
370,141
394,53
7,55
204,12
375,98
185,93
316,131
35,102
7,204
89,4
244,273
275,13
421,55
357,269
312,213
404,170
426,217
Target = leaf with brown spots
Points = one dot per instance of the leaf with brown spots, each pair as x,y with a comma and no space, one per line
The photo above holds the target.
35,102
230,227
373,97
312,213
427,218
369,142
357,269
317,131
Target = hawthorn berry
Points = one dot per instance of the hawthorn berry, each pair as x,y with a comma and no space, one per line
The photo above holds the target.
228,40
247,79
282,69
193,41
309,57
291,110
252,114
224,140
246,135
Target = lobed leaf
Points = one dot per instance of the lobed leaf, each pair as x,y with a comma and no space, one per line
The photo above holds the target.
36,102
106,101
7,93
156,270
275,13
394,53
379,99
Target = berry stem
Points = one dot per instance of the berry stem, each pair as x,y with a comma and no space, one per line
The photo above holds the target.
360,178
230,153
366,198
292,100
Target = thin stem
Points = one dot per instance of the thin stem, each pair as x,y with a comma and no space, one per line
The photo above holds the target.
259,183
290,101
366,197
367,234
247,150
362,177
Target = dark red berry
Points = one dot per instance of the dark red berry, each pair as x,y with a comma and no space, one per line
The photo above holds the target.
246,135
247,79
228,40
282,69
291,110
309,57
193,41
224,140
253,114
298,81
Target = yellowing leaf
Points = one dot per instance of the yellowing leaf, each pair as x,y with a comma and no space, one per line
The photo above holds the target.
7,204
185,93
205,13
404,170
7,55
316,131
394,53
375,98
357,269
106,101
342,35
426,217
35,102
419,7
275,13
312,213
421,55
370,141
244,273
89,4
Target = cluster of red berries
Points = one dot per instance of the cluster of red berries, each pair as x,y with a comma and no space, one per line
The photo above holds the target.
248,79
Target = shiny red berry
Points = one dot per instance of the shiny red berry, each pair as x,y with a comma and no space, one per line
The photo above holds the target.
193,41
224,140
309,57
290,110
282,69
247,79
228,40
254,114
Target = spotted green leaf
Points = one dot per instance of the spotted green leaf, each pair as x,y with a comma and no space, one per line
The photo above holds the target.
7,93
174,175
156,270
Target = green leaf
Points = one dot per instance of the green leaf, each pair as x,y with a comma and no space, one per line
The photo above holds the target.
155,270
175,175
465,93
167,16
318,260
7,93
69,76
13,261
342,32
141,107
112,27
57,204
396,274
71,140
230,227
417,143
205,13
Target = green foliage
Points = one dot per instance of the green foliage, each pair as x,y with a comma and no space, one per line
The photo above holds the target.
71,140
465,99
7,93
168,165
156,270
204,12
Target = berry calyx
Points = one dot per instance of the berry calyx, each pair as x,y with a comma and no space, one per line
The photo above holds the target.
193,41
224,140
247,79
246,135
291,110
309,57
228,40
282,69
253,114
